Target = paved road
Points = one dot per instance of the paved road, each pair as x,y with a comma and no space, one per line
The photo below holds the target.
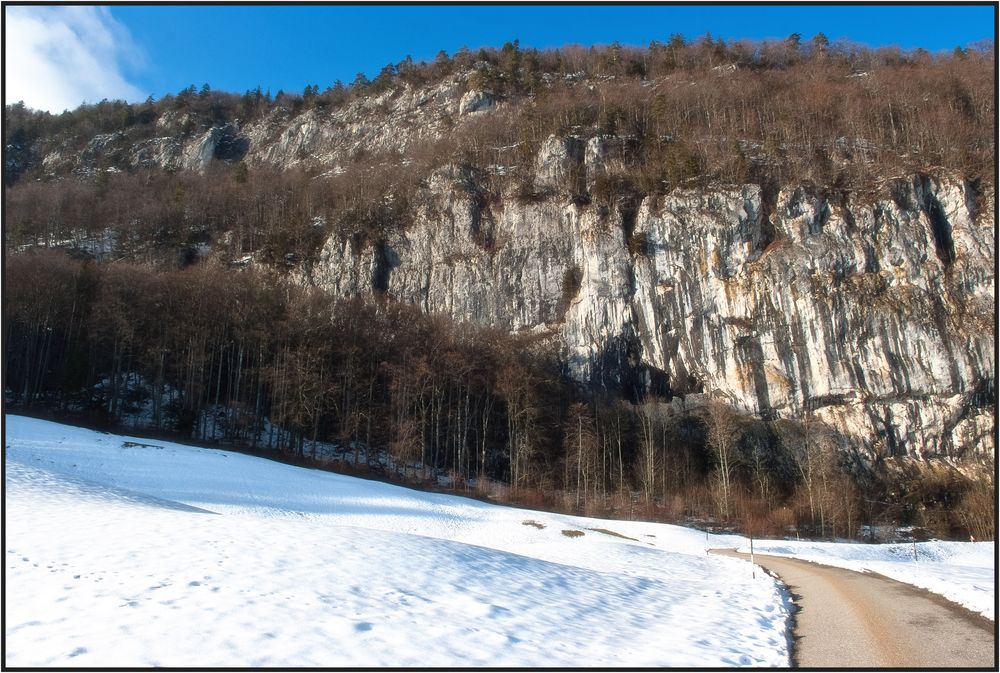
848,619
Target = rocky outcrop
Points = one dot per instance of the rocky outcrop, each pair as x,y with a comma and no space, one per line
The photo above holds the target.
476,101
103,151
391,121
558,162
875,316
317,138
163,153
223,143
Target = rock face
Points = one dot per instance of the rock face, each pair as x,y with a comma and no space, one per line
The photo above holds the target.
220,142
390,121
475,101
875,316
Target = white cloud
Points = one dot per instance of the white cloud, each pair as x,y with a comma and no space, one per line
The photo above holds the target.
58,57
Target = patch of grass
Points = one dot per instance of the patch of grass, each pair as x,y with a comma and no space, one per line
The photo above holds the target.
573,533
612,533
537,525
129,445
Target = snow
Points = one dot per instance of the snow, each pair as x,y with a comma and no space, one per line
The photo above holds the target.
962,572
123,551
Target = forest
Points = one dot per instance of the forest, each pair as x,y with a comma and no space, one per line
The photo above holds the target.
838,113
206,347
111,304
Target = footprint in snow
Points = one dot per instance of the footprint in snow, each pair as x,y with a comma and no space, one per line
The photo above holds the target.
361,627
498,611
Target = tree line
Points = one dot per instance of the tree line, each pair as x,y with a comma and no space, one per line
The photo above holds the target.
210,354
282,218
837,113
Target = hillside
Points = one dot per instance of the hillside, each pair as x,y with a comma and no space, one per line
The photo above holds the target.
547,268
113,541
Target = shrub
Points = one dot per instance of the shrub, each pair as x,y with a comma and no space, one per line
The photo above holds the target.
977,509
638,244
682,163
572,281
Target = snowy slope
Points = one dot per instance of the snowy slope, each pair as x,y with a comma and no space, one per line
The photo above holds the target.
963,572
132,552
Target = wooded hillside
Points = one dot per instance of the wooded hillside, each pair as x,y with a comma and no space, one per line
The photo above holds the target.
132,288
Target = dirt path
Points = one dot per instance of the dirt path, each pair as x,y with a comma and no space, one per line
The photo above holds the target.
848,619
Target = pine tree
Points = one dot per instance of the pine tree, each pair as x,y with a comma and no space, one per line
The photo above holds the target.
820,43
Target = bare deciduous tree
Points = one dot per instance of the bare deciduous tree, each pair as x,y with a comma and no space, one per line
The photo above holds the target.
723,436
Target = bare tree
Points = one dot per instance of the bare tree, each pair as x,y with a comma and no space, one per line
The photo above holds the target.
723,436
813,451
650,464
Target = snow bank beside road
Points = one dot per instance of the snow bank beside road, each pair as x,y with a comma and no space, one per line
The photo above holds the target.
963,572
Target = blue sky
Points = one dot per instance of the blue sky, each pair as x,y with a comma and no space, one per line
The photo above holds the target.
154,50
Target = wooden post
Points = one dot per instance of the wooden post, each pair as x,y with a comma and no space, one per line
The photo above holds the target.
752,564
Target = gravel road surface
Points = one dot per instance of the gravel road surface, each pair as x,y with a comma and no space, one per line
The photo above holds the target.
848,619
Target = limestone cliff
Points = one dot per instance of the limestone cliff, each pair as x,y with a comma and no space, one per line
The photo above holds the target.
875,315
874,312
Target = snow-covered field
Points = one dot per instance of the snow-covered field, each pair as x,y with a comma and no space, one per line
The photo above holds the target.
963,572
131,552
